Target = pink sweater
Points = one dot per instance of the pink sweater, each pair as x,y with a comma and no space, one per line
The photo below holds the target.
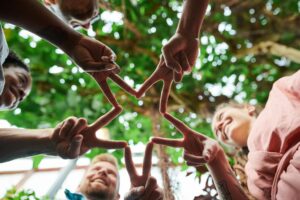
273,143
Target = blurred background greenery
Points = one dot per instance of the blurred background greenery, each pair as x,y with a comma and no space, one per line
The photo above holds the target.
245,47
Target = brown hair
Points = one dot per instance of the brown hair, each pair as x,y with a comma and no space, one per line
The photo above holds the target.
68,9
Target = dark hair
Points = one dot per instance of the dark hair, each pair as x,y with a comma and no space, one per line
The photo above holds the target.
13,60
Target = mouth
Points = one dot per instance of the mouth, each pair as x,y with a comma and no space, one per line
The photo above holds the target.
100,180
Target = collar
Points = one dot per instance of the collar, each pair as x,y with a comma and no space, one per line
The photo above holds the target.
73,196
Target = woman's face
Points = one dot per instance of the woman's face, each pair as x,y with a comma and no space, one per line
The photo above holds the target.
17,87
232,125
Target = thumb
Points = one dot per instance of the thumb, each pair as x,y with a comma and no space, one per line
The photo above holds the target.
74,148
109,144
135,193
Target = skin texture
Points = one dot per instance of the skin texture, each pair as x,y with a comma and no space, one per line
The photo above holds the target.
89,54
200,150
100,180
76,13
143,187
232,125
185,40
17,87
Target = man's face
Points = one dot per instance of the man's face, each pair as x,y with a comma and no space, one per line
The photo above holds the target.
17,87
79,13
100,182
232,125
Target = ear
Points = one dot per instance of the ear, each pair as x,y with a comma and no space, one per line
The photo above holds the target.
251,110
49,2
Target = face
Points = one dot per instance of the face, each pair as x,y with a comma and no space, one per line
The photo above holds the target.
232,125
81,13
100,182
16,89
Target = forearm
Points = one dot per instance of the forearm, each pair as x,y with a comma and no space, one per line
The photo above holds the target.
192,17
17,143
225,181
33,16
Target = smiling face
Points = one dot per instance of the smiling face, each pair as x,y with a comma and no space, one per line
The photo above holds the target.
17,87
100,182
232,124
76,13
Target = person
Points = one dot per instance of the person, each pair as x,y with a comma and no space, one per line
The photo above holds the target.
101,180
18,82
76,13
272,138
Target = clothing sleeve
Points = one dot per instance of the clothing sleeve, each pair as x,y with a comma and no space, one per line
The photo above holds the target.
290,85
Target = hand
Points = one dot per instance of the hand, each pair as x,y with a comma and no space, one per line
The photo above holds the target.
198,149
143,187
93,56
165,74
74,137
188,47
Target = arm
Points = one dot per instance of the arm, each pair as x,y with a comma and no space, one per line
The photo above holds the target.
33,16
185,40
200,150
17,143
192,18
225,181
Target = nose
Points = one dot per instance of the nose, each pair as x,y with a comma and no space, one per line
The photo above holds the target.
103,172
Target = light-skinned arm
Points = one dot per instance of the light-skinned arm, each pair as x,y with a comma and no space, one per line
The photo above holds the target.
200,150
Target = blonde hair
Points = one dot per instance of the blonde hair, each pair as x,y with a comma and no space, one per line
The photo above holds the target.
105,158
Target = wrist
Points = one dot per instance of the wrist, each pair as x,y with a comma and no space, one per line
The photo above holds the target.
45,139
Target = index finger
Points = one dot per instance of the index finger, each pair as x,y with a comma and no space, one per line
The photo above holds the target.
129,163
147,160
109,144
179,125
98,67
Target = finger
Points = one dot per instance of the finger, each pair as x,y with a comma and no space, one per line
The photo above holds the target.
109,144
184,62
98,66
156,194
135,193
78,127
177,76
192,164
165,96
118,80
168,142
179,125
57,129
108,94
150,186
67,126
193,158
129,164
155,77
105,119
147,160
74,148
170,61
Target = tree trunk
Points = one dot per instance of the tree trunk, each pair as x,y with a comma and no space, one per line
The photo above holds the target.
164,162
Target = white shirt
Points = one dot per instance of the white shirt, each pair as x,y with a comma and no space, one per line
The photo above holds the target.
3,55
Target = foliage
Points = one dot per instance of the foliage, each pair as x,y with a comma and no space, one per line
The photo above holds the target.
225,68
13,194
